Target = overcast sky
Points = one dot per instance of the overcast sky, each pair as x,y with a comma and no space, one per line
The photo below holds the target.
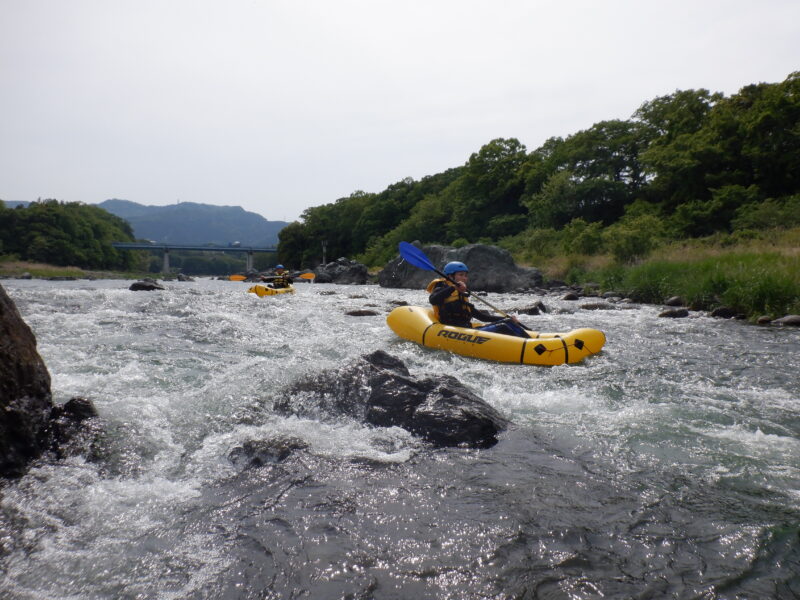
279,105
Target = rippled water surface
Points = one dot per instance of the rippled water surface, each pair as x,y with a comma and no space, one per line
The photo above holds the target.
666,466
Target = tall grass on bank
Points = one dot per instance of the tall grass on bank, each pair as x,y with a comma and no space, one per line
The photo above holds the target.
753,283
12,267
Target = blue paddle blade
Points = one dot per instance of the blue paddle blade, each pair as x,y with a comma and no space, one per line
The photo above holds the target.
415,256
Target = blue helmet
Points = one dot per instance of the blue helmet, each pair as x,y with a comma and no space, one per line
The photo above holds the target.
279,267
455,267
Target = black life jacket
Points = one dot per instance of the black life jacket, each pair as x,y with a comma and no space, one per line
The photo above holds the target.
455,310
281,280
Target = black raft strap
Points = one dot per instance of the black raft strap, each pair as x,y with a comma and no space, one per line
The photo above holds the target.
566,348
424,333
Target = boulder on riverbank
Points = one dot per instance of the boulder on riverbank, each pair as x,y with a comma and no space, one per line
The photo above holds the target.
343,271
491,269
378,389
30,424
788,320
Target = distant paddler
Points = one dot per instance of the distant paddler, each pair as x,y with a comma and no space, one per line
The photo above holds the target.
280,279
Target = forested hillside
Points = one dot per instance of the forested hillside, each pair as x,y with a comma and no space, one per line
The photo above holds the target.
684,165
65,233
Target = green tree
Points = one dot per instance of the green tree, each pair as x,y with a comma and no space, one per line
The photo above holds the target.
630,240
581,237
490,186
293,243
755,137
674,159
608,150
66,234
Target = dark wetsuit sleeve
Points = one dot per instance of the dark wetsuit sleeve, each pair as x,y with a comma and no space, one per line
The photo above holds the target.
440,293
484,316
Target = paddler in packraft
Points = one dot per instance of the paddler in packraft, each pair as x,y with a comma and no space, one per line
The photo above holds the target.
280,279
451,307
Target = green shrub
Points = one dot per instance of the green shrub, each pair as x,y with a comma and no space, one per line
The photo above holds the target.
581,237
542,242
633,239
769,214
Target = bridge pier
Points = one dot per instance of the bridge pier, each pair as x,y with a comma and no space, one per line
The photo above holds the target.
165,267
249,262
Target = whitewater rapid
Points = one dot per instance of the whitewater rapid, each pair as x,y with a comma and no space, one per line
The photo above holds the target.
669,462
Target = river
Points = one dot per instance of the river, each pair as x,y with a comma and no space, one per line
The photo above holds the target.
667,466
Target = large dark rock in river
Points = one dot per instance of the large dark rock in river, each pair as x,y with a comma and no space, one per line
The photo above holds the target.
145,285
25,401
30,423
378,389
491,269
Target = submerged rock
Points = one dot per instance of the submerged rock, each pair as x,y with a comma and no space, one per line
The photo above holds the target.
597,306
378,389
70,434
146,285
675,313
361,313
258,453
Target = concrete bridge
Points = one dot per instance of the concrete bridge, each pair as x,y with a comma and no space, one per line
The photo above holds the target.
166,248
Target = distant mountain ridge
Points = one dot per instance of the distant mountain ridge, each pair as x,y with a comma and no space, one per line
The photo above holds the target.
194,223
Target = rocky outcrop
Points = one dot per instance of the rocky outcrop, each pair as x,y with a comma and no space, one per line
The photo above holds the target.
145,285
491,269
73,427
25,401
30,424
343,271
378,389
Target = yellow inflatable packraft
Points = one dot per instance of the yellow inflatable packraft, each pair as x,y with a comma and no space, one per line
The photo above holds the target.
417,324
263,290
